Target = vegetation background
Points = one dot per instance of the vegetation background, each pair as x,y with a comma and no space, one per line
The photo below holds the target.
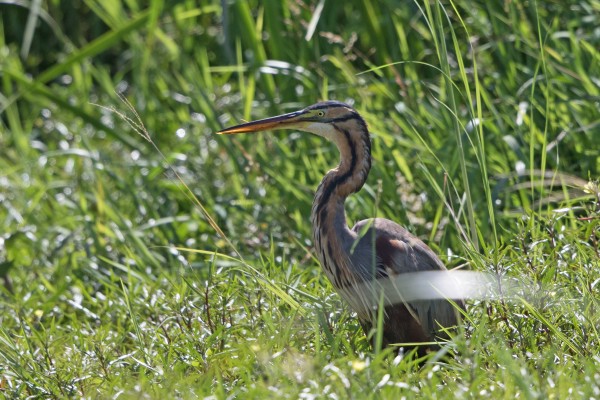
119,282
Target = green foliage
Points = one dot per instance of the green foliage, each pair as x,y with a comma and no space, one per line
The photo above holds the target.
116,280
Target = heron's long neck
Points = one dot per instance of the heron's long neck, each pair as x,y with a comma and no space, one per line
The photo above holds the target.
331,234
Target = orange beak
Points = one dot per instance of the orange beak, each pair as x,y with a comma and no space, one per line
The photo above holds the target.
284,121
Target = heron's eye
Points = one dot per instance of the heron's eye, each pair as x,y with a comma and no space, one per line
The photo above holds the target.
321,113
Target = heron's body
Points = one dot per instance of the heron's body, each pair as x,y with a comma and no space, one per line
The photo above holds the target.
373,249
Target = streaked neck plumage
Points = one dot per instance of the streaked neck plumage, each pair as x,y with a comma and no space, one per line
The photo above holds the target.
332,237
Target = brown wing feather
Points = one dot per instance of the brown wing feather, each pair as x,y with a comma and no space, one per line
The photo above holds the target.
400,252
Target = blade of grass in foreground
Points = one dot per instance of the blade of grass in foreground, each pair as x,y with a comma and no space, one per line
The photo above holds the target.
443,56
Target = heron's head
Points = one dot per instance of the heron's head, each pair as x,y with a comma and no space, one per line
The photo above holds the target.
319,119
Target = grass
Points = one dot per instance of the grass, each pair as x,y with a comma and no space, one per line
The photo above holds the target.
116,284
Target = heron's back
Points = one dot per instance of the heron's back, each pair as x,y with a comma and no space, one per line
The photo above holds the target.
385,250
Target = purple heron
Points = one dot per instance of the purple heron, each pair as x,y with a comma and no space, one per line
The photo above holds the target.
374,249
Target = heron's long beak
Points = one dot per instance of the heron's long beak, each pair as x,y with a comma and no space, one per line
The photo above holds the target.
289,120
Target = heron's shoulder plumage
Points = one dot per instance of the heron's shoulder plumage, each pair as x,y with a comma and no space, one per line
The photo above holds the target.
397,249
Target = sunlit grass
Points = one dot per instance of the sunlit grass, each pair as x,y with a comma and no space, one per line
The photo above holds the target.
115,284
